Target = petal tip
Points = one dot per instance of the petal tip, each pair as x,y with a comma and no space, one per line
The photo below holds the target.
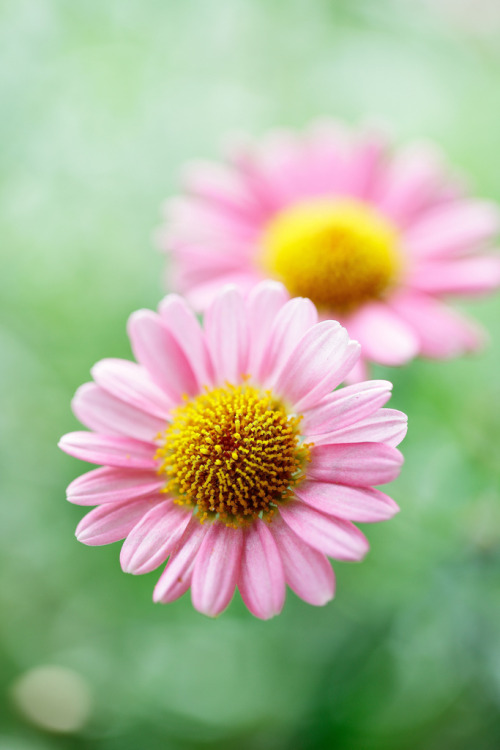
64,442
81,535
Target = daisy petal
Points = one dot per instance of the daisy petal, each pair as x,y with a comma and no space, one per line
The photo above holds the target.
112,522
100,411
242,154
153,538
362,504
385,426
282,156
296,317
182,215
158,351
358,372
328,157
185,329
112,485
412,182
216,569
314,367
109,450
227,336
383,335
176,578
333,536
263,304
355,464
366,165
224,187
458,276
307,571
262,580
131,383
453,228
201,294
346,406
442,332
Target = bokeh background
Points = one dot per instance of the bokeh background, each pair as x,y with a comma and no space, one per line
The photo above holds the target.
102,101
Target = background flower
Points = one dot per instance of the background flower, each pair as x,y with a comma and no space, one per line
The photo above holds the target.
376,237
226,451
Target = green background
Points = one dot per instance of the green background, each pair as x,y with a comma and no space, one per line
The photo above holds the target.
102,102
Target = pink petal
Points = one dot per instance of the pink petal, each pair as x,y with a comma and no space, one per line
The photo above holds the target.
317,365
131,383
282,166
185,329
176,578
336,538
201,295
201,263
221,187
412,182
189,218
458,276
346,406
110,523
358,373
385,426
111,485
361,504
263,305
226,330
366,164
216,569
328,158
242,153
356,464
442,332
262,580
384,337
153,538
296,317
100,411
453,228
158,351
109,450
307,571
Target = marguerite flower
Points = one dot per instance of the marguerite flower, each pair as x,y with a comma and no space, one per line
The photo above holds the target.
227,450
376,239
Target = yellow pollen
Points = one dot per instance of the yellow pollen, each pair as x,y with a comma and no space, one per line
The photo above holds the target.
339,253
232,453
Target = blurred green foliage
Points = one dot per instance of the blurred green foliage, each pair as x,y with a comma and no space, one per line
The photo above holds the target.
102,103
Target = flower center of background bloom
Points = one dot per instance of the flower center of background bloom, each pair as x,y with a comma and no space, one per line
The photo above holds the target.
340,254
232,452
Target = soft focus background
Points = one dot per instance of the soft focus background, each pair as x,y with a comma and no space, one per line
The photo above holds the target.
101,104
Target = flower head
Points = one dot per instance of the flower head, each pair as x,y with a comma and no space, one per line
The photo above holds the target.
227,450
376,239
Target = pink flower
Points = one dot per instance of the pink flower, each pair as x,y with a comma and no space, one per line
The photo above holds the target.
376,239
226,451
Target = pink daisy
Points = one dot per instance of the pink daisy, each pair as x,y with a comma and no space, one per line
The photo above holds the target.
225,450
376,239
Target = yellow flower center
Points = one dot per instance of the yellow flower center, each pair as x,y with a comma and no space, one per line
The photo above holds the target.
340,254
233,453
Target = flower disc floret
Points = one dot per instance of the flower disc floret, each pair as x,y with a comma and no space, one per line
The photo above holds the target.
232,452
339,253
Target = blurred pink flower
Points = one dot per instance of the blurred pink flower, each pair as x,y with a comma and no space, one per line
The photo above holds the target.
226,450
374,238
